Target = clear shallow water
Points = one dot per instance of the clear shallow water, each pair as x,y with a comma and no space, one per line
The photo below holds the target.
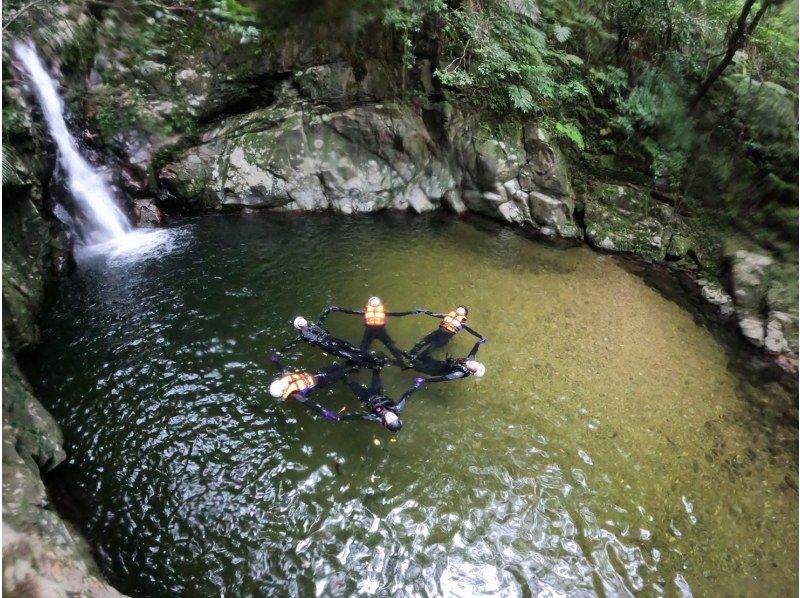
613,446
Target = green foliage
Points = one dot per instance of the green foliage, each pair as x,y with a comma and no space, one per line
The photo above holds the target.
613,80
115,113
567,131
406,20
571,132
521,98
763,107
616,79
500,56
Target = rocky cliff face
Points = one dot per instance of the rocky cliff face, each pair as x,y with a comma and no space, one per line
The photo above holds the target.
42,555
331,118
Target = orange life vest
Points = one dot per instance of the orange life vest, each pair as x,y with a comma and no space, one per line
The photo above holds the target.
298,382
374,316
452,322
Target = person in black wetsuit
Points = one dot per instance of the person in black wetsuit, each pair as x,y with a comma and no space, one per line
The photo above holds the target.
318,335
298,385
451,368
451,324
374,325
380,408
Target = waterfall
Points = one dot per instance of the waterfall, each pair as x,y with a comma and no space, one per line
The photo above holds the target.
104,221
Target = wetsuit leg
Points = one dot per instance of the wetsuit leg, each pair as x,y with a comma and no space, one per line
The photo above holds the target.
376,387
364,360
368,338
387,340
438,338
363,393
430,366
332,374
345,350
423,343
441,339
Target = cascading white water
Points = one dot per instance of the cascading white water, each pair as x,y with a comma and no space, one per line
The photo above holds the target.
95,201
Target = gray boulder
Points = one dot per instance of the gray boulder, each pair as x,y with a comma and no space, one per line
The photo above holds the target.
748,279
146,213
546,170
623,218
716,296
356,160
553,213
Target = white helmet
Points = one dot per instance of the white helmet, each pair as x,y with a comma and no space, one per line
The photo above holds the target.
391,421
477,368
374,301
300,322
278,387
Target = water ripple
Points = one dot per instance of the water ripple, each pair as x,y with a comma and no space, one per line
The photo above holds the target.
539,481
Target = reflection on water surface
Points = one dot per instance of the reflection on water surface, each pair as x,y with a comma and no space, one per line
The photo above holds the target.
611,448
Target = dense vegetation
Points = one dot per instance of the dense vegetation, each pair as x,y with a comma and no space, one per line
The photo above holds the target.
695,98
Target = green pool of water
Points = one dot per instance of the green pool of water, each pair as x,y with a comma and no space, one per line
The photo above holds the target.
614,446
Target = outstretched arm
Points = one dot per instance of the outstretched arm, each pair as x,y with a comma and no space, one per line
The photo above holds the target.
302,397
455,375
474,352
473,332
364,415
333,308
401,313
419,310
407,394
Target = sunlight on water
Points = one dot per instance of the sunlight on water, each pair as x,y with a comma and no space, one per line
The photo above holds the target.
614,447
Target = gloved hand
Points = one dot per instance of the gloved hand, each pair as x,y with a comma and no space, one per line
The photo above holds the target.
483,339
330,415
335,308
419,382
275,358
418,310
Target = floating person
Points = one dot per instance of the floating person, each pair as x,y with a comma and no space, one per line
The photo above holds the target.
298,385
318,335
380,408
451,324
451,368
375,315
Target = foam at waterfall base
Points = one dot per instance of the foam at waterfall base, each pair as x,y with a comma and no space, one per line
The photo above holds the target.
136,245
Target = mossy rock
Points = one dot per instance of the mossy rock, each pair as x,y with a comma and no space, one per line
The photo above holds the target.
613,230
680,246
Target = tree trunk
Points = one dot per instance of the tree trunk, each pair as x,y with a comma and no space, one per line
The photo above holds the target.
736,40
